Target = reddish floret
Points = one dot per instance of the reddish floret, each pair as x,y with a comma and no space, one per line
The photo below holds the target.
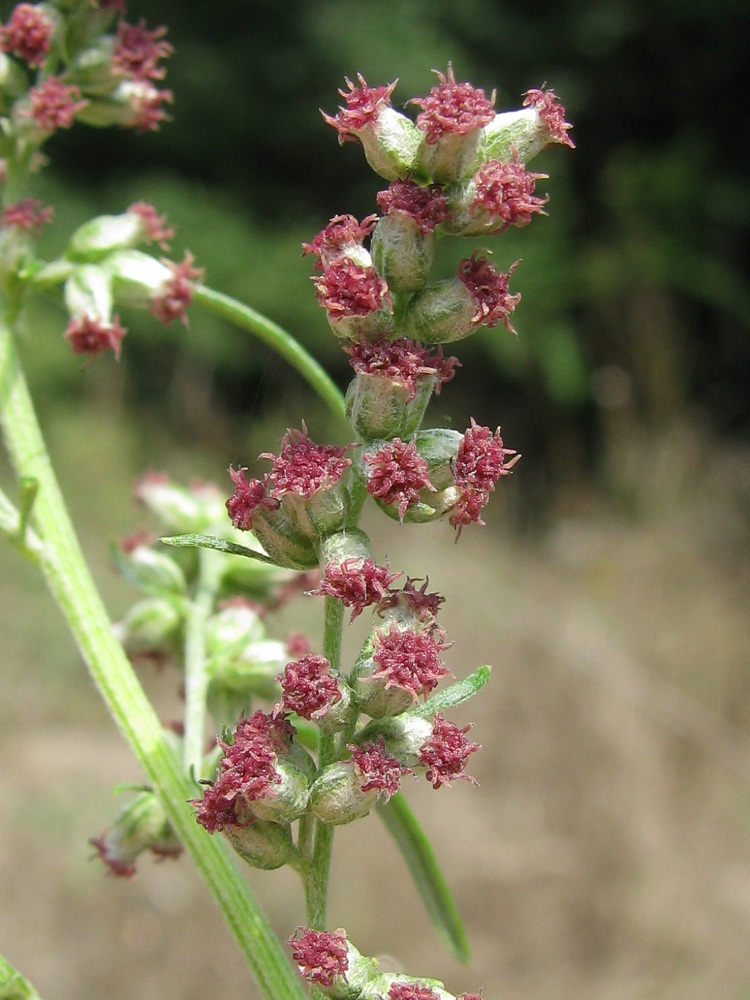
376,768
425,606
397,473
28,215
356,582
347,289
172,301
342,232
552,113
412,991
479,463
156,226
409,660
363,106
247,497
401,360
445,753
321,956
452,108
137,51
505,192
54,104
27,34
309,688
428,206
489,289
89,335
304,467
146,111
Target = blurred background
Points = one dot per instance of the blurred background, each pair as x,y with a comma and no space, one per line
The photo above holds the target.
606,855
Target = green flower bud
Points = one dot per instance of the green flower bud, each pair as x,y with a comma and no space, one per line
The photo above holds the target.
403,254
179,508
140,826
88,292
150,571
262,845
336,796
149,626
287,799
381,407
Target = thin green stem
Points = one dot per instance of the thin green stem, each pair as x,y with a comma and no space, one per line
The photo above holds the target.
71,585
277,338
196,679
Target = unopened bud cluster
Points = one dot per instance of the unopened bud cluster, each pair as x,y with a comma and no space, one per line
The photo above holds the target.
76,61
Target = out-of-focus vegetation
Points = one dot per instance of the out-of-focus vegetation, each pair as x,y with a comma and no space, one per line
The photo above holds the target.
635,289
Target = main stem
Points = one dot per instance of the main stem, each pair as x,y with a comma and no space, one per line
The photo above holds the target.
73,588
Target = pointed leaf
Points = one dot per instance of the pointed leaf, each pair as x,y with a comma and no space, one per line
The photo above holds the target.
197,541
405,829
455,694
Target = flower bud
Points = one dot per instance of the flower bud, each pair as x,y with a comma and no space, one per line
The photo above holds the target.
525,133
140,826
344,545
88,292
150,626
262,845
332,963
149,571
99,237
180,508
248,671
402,253
390,140
348,789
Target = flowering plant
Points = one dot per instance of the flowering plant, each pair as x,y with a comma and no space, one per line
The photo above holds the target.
331,740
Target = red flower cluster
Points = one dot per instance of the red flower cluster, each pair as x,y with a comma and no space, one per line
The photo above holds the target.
397,473
176,294
490,291
303,467
428,205
452,108
321,955
363,105
27,34
28,215
479,464
356,582
54,104
552,113
445,753
247,771
347,289
409,660
138,51
309,688
89,335
505,193
401,360
342,233
376,768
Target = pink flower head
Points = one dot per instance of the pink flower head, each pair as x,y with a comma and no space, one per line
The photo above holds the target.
176,294
552,113
89,335
401,360
309,687
247,771
321,955
347,289
156,226
412,991
452,108
121,867
397,473
363,107
428,206
479,464
27,215
145,104
409,660
489,289
445,753
342,233
137,51
376,768
505,193
304,467
425,606
54,104
27,34
247,497
356,582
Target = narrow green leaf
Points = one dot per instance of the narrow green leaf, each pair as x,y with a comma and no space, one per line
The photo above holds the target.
13,986
404,827
196,541
454,694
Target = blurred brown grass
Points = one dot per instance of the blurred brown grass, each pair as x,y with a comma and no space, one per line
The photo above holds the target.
606,855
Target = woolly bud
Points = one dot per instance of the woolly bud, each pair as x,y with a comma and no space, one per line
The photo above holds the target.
525,133
140,826
263,845
348,789
149,627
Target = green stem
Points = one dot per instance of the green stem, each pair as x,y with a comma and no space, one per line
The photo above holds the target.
196,680
277,338
316,884
71,585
